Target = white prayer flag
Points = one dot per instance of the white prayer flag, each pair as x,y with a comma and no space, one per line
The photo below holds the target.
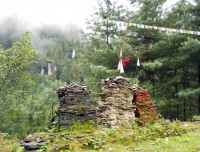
73,54
120,65
138,61
42,70
120,54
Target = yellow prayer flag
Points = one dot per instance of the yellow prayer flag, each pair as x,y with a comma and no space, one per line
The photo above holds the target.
155,27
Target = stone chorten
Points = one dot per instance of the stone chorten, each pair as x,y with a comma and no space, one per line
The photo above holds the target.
116,106
75,105
146,109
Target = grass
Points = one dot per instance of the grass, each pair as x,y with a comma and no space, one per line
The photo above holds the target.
162,136
8,143
188,142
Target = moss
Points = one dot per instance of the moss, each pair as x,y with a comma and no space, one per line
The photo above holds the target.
160,136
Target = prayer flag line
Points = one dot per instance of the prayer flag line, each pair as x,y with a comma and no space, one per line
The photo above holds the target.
144,26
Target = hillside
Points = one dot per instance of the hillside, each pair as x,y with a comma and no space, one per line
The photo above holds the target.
163,135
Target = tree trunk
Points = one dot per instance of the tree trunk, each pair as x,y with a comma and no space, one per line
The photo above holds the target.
153,83
190,109
107,34
198,75
184,102
177,111
184,110
4,81
175,95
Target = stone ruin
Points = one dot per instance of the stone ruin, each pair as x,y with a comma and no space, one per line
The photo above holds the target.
146,109
116,106
120,102
75,104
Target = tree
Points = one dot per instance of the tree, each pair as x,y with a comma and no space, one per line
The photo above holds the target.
98,59
15,78
171,60
195,24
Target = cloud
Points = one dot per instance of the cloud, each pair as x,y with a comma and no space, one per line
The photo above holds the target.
37,12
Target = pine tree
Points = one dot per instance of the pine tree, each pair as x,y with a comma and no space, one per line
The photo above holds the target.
99,57
169,59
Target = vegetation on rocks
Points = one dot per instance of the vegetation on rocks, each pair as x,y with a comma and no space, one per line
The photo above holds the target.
163,135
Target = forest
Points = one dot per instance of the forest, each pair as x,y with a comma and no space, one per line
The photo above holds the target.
34,63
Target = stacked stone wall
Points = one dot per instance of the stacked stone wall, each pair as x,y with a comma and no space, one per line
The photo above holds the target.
75,104
115,106
146,109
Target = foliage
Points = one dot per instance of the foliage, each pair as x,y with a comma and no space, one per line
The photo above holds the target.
98,59
25,96
162,134
15,77
7,144
170,67
76,126
194,118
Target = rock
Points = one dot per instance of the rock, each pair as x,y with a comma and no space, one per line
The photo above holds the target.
146,110
75,105
30,137
32,142
116,107
31,146
54,149
39,140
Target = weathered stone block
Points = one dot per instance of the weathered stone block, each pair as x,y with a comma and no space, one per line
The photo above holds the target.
115,106
75,105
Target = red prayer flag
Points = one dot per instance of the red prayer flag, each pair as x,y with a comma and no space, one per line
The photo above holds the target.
124,61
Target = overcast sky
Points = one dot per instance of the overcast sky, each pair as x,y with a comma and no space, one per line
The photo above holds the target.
61,12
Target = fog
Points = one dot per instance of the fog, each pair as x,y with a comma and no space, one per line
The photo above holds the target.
12,28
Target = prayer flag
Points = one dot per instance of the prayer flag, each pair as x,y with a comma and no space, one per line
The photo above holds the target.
123,26
120,54
125,23
173,30
155,27
163,29
138,25
120,64
121,67
73,54
131,24
150,27
112,21
195,32
124,61
105,20
181,31
168,30
119,23
138,61
177,30
142,26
